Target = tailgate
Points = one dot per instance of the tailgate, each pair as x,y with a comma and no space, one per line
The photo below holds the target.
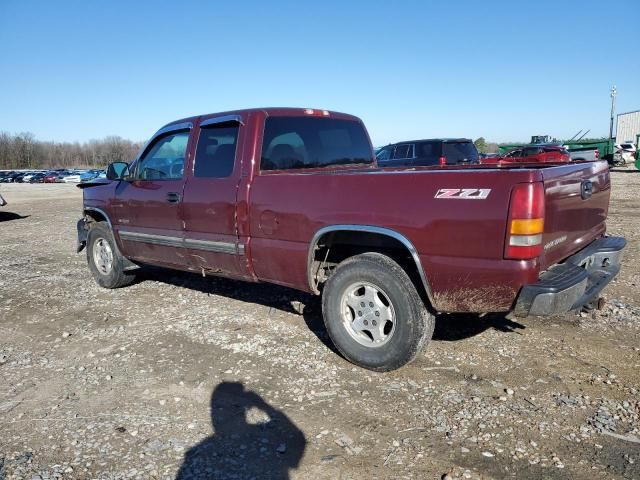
573,216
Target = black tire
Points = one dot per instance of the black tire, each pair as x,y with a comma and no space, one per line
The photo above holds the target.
116,276
412,326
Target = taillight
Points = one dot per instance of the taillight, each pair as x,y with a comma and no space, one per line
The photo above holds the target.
526,221
443,160
597,154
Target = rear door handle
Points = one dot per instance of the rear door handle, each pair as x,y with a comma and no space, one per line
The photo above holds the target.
173,197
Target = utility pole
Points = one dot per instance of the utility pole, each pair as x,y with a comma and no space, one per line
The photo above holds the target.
613,108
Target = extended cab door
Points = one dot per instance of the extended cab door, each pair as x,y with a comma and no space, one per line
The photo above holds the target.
210,198
147,206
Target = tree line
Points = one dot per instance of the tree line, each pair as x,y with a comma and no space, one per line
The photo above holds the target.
24,151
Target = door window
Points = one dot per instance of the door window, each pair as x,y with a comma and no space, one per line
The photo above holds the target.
530,152
216,151
384,154
402,152
164,160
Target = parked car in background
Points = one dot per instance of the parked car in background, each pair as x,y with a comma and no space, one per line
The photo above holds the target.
626,152
26,178
584,154
7,177
37,177
72,178
63,173
19,178
531,154
50,177
90,175
428,152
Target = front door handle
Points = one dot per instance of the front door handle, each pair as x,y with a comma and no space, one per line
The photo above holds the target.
173,197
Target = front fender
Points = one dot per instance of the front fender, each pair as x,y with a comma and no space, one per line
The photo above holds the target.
83,232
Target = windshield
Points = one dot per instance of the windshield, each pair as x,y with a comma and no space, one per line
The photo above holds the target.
308,142
460,152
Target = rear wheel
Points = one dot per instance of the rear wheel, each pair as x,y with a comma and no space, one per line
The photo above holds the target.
105,261
373,313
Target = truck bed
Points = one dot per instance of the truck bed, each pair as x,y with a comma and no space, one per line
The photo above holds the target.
460,241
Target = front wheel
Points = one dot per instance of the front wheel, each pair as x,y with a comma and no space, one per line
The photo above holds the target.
374,314
105,261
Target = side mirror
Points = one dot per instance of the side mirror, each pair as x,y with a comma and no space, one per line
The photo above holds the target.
117,170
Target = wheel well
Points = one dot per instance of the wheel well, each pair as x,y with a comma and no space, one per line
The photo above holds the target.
333,247
96,216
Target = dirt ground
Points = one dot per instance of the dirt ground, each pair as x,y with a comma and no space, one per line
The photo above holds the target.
183,377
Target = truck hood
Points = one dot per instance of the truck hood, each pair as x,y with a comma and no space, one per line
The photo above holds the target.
94,183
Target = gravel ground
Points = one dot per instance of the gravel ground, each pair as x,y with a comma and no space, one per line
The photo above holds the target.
180,376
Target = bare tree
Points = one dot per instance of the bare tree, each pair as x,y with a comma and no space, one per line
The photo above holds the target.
24,151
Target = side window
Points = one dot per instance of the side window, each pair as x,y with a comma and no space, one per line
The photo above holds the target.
165,159
216,151
428,153
514,154
402,151
384,153
528,152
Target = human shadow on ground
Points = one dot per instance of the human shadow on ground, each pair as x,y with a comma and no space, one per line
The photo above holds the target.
8,216
251,440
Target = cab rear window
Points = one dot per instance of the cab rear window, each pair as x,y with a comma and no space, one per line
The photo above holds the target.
301,142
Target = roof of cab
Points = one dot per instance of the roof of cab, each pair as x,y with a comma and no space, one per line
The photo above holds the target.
433,140
271,111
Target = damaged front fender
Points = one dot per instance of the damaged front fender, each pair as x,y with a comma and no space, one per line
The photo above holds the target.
83,233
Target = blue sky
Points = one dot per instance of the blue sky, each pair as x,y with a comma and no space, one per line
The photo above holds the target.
75,70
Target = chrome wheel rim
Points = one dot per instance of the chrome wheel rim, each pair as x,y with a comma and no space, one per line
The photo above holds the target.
102,256
368,314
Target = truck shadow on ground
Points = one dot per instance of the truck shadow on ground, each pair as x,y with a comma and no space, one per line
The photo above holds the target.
251,439
8,216
458,326
449,327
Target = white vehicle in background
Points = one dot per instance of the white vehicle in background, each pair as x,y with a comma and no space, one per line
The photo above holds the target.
75,178
627,152
28,176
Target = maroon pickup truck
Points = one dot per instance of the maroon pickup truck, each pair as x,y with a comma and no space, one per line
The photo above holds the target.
294,197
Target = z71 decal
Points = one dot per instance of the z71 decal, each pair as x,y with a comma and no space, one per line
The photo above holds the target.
464,193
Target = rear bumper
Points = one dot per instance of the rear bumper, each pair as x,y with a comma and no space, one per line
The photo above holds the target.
574,283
